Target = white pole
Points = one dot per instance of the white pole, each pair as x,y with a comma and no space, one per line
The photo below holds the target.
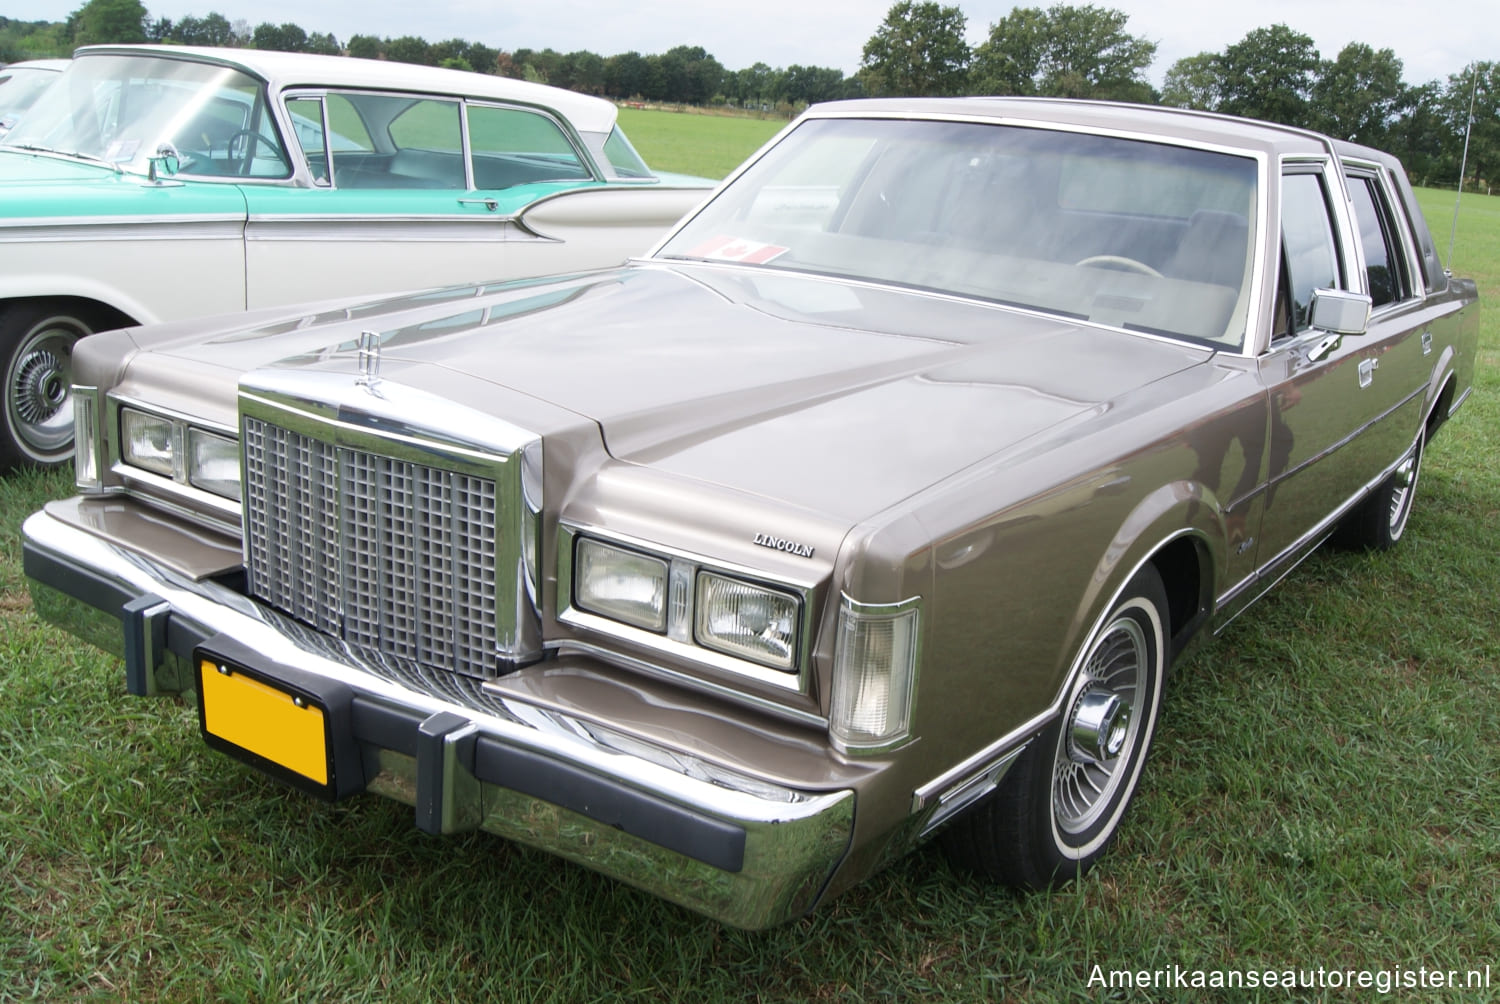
1463,166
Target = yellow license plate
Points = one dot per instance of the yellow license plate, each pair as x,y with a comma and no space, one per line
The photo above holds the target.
287,730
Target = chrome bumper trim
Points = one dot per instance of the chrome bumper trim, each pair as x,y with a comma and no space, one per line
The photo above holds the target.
750,856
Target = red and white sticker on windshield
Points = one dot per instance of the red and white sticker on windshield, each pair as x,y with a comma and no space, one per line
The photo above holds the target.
737,249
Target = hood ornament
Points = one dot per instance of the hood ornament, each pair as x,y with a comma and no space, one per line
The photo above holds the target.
369,360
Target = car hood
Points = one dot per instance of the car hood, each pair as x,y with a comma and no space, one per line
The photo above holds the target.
842,398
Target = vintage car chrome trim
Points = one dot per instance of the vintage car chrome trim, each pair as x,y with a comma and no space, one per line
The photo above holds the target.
1258,583
688,563
655,669
202,507
336,410
57,229
792,840
309,225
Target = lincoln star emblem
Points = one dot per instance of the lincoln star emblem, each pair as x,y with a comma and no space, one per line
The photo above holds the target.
369,359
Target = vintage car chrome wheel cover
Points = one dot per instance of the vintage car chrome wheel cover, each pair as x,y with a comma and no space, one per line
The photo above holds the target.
1403,491
38,384
1102,729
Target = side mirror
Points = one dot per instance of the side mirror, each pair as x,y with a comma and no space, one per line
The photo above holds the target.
1339,312
167,161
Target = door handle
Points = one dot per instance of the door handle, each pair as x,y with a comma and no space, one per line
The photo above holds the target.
1367,368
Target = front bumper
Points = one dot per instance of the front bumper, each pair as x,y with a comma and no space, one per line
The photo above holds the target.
745,852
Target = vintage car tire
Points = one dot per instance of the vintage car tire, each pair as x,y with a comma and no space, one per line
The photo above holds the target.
1378,522
1040,828
36,348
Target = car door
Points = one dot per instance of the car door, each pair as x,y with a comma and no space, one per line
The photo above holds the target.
395,204
1343,409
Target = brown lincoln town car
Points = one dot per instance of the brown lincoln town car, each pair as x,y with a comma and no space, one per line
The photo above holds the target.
874,505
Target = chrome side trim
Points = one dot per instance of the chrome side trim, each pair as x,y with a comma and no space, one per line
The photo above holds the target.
997,754
61,229
1257,581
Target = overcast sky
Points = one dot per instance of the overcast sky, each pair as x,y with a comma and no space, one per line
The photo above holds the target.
1431,41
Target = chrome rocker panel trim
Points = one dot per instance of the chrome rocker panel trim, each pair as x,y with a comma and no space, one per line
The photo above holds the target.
749,854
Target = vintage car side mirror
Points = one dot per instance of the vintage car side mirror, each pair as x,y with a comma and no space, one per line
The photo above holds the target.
1340,312
167,161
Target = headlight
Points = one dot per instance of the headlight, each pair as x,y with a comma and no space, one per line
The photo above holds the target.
184,453
874,672
146,441
623,585
214,463
747,621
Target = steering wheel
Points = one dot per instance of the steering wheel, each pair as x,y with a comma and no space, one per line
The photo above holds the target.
240,163
1120,263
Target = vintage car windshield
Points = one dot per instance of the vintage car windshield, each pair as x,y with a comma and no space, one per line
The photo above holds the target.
121,110
20,86
1141,235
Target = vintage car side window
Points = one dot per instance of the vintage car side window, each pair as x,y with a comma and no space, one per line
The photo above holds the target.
513,146
429,145
1307,243
623,158
307,130
1384,268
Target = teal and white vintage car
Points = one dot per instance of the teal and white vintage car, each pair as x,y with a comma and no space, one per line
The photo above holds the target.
162,183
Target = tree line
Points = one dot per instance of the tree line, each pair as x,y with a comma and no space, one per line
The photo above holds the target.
1274,73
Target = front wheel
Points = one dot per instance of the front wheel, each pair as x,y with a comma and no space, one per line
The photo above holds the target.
1060,806
36,353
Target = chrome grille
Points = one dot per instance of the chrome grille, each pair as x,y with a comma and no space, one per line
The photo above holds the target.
385,553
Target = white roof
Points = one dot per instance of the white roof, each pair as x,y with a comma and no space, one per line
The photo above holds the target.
55,65
300,69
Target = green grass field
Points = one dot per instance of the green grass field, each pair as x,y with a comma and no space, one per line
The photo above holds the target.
1323,794
706,145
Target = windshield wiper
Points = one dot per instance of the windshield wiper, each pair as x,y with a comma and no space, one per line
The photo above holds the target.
34,148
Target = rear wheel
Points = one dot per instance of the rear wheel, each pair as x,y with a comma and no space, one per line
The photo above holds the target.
1060,806
1378,522
36,359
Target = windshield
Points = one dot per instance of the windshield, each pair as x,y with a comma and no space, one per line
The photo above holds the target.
123,109
1139,235
20,86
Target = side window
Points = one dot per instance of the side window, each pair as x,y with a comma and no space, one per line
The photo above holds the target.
1307,244
516,147
1384,264
307,129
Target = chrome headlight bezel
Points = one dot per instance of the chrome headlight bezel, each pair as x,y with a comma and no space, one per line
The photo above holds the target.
176,473
680,644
